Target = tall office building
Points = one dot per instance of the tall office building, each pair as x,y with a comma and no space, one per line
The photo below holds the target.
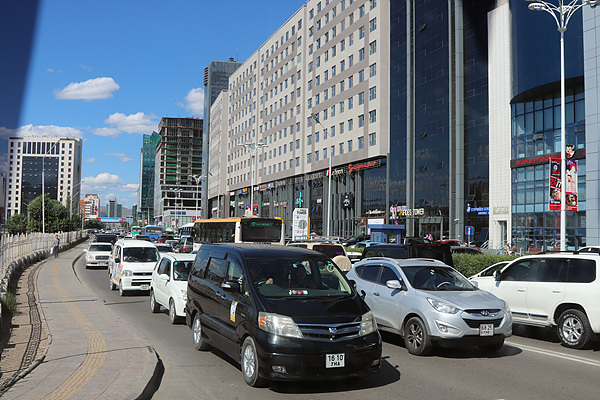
112,208
216,79
145,200
57,159
178,157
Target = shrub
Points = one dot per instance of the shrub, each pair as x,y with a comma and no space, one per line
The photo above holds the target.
470,264
9,302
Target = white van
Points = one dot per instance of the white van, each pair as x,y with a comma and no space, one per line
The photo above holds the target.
130,265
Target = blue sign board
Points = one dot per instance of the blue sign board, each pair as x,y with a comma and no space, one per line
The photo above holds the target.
469,230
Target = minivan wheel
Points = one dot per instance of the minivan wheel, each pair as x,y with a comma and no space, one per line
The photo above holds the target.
574,329
250,363
199,342
121,290
416,339
154,306
492,347
112,285
172,314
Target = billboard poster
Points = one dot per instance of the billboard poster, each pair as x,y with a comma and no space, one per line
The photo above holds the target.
570,185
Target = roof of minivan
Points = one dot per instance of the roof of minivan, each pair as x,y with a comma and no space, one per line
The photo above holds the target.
135,243
258,249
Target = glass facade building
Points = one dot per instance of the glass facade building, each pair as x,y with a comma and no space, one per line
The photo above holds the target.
146,190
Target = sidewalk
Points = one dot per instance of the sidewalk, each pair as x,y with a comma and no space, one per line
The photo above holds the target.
66,345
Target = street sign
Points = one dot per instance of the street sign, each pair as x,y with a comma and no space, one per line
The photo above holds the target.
469,231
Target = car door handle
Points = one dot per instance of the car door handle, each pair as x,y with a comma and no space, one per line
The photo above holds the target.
520,289
375,293
557,291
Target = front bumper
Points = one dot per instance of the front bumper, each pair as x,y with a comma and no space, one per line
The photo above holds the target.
282,358
466,328
136,283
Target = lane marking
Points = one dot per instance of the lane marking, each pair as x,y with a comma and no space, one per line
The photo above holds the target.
563,356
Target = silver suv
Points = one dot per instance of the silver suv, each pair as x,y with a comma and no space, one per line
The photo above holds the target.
559,290
426,301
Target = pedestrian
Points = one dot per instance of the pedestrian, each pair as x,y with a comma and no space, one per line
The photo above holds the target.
55,246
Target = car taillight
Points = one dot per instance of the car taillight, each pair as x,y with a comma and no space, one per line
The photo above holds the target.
184,249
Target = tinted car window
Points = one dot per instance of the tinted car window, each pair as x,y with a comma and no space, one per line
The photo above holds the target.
162,267
100,247
581,271
369,272
520,271
387,274
140,254
181,270
551,270
200,264
329,250
216,270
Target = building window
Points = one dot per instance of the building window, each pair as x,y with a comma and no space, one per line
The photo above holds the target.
373,93
361,121
361,54
349,146
372,116
361,98
372,139
372,24
361,32
372,70
361,143
373,47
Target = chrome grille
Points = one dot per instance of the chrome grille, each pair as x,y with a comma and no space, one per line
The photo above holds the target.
101,257
330,332
474,323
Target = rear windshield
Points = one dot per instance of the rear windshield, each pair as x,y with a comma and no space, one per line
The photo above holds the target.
330,250
100,247
297,277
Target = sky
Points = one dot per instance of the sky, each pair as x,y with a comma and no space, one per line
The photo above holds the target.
107,71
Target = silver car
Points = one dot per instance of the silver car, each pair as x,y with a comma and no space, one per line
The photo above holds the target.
427,301
96,255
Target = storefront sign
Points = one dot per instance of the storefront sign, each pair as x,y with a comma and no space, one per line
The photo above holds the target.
347,200
478,210
366,165
313,176
500,210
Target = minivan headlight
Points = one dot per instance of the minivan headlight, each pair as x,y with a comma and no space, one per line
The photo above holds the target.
127,272
443,307
367,324
276,324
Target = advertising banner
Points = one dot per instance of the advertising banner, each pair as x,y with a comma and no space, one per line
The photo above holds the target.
300,224
556,185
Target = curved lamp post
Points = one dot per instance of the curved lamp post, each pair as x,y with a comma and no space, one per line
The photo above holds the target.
562,12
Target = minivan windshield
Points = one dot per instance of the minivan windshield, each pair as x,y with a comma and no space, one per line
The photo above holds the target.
100,247
297,277
140,254
436,278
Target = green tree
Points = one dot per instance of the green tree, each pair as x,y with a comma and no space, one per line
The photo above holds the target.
16,224
56,216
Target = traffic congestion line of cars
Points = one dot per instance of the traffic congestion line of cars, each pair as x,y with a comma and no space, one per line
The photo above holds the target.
292,313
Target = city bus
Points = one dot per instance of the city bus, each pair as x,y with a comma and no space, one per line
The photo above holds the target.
136,230
152,231
239,230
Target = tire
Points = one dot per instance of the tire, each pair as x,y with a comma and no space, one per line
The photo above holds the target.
416,338
112,285
173,318
199,342
250,365
154,306
574,329
121,290
492,347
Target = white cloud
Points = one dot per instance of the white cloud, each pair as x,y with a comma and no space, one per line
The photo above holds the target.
107,132
122,156
108,187
195,102
90,160
92,89
131,187
5,132
47,130
139,123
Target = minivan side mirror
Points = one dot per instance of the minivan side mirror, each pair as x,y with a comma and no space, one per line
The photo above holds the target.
231,286
353,283
497,276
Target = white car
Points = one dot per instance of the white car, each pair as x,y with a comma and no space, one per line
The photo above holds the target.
96,255
130,265
550,290
489,271
168,287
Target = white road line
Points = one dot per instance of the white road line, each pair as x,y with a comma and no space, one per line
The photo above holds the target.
551,353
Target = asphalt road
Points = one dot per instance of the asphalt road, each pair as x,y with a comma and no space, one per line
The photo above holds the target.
531,365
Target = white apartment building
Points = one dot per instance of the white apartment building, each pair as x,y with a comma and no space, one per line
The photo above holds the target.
57,159
314,92
217,170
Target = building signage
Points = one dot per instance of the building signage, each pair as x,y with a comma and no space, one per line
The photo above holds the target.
178,212
313,176
300,224
366,165
337,171
347,200
263,187
571,154
281,183
403,211
478,210
556,185
501,210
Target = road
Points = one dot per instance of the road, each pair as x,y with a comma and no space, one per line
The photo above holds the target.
532,364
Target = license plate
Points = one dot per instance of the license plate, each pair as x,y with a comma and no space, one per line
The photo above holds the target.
145,287
486,330
334,360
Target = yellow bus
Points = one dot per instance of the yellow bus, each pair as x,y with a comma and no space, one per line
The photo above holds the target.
239,230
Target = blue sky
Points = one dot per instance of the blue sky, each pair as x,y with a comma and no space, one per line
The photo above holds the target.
107,71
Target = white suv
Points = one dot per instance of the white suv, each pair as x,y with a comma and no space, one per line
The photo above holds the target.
561,290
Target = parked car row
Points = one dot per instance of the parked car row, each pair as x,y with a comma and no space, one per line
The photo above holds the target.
294,312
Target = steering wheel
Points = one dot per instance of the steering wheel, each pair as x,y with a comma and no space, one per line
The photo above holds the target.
442,284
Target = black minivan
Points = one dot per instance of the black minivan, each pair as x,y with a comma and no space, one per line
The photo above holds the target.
283,313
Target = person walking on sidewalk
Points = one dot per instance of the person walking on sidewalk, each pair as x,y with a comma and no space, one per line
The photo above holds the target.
55,246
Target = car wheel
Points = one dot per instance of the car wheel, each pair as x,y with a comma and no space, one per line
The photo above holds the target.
416,339
121,290
172,314
250,363
492,347
574,329
154,306
112,285
199,342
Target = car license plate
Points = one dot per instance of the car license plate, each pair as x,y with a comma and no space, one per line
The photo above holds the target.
334,360
486,330
145,287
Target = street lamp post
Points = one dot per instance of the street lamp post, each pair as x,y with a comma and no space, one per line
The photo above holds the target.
562,13
197,178
43,187
178,195
328,232
253,147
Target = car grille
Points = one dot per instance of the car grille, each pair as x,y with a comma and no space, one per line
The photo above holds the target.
333,332
140,283
474,323
101,257
142,274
